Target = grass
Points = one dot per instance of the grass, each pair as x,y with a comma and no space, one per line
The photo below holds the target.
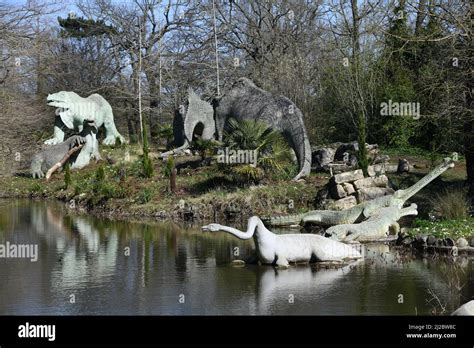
117,187
445,228
451,203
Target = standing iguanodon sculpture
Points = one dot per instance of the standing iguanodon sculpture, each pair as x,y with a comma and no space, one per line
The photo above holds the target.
245,101
73,110
280,249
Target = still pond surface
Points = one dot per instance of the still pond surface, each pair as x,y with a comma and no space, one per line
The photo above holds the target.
94,266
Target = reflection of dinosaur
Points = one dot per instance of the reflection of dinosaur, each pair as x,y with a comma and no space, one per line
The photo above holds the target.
245,101
280,249
363,210
73,110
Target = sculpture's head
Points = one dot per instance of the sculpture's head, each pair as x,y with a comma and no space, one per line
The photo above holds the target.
65,102
199,119
211,228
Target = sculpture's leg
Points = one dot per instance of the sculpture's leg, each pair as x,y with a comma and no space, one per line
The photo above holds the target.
220,123
394,228
58,133
95,151
111,133
282,262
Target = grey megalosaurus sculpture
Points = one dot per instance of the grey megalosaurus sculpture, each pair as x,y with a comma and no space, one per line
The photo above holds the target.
245,101
280,249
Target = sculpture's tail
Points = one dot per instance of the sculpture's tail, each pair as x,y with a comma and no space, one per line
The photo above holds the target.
287,220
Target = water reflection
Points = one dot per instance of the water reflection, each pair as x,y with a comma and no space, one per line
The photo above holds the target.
129,268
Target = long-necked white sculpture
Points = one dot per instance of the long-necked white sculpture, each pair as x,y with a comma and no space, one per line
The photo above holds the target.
281,249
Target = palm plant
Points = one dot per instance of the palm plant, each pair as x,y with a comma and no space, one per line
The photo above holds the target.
273,152
166,132
204,147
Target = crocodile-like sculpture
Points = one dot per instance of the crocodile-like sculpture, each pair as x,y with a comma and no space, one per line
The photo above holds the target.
281,249
73,110
363,210
377,226
245,101
47,158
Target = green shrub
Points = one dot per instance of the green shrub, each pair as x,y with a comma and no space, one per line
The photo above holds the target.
145,195
451,203
168,168
67,176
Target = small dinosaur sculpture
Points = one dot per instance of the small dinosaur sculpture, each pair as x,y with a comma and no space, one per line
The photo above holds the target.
363,210
375,227
281,249
51,155
73,110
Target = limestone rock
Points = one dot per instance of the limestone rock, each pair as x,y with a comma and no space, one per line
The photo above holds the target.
381,159
344,203
349,188
431,240
321,158
348,176
337,191
378,181
462,243
368,193
403,166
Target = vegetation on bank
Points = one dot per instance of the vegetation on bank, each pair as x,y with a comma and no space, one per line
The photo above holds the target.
453,228
119,187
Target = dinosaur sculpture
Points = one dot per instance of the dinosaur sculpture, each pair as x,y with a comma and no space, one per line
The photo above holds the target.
280,249
465,309
363,210
377,226
46,159
73,110
245,101
199,113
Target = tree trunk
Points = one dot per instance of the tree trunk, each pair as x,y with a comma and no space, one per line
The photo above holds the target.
173,180
469,125
420,16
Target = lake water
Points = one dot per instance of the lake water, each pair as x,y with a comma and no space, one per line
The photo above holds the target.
94,266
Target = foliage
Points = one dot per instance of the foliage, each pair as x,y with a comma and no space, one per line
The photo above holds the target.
168,168
145,195
444,228
166,132
451,203
273,155
80,27
67,176
204,147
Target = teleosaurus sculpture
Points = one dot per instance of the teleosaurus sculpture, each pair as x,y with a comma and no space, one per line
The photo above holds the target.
363,210
281,249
